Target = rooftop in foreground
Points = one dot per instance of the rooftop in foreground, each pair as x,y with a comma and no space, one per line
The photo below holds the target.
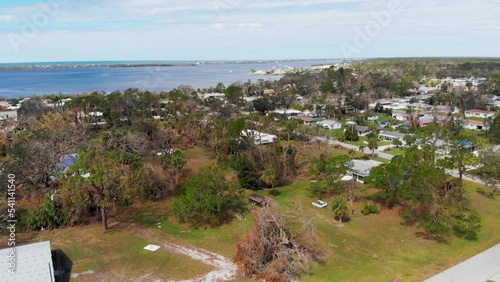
33,263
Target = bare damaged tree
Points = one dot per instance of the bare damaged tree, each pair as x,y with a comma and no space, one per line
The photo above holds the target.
270,251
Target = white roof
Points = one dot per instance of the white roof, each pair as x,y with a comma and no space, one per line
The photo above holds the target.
288,111
33,263
327,122
256,134
363,167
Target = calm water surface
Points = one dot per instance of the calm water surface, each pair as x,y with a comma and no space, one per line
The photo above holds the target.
21,83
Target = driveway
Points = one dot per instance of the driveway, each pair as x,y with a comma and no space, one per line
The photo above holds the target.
482,267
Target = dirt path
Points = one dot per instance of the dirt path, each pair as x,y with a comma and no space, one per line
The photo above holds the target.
225,270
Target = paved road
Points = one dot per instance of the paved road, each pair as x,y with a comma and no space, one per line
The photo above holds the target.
482,267
378,152
456,174
384,155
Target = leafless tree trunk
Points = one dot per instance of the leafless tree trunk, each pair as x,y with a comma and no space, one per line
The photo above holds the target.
104,218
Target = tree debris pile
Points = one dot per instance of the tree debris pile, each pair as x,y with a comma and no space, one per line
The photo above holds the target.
270,251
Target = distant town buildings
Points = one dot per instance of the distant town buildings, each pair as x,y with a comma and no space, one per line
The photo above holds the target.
479,114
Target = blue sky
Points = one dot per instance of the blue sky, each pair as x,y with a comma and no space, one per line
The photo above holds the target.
78,30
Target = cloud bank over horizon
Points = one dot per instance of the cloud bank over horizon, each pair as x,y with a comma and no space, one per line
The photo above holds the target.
74,30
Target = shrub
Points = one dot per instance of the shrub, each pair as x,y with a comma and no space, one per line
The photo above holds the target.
129,158
274,192
207,198
51,215
369,209
364,157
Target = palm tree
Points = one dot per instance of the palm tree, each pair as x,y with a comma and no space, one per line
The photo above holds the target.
372,143
339,207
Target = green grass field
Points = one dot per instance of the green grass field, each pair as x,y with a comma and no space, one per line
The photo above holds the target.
395,151
363,141
367,248
380,248
116,255
221,240
377,247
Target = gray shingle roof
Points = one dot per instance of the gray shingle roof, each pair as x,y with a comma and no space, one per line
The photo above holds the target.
33,263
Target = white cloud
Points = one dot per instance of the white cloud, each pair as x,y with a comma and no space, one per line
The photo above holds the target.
219,26
323,24
6,18
250,26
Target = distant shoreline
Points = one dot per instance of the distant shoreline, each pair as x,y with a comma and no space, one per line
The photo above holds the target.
131,64
36,67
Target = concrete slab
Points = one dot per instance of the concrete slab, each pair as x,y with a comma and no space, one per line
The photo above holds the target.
480,268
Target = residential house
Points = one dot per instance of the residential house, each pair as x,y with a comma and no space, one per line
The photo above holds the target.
288,113
214,95
329,124
305,120
444,110
427,89
268,92
362,130
391,104
479,113
475,124
420,106
494,102
33,262
401,116
362,168
94,118
383,102
372,118
260,138
390,136
425,120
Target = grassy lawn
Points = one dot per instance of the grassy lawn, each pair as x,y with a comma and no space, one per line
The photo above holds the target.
476,118
196,158
395,151
384,143
382,160
337,133
384,117
477,137
360,142
380,248
367,248
116,255
221,240
363,140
